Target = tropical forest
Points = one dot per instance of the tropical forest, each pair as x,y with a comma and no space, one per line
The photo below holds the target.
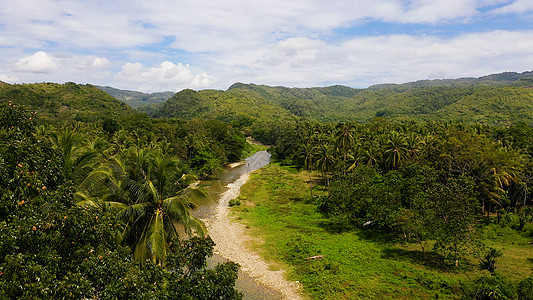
421,190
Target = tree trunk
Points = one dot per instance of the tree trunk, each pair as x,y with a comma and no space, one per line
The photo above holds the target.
311,184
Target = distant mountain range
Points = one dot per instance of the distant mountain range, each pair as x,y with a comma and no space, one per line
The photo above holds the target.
136,99
494,99
524,79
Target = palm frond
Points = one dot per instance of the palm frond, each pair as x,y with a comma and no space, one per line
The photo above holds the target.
156,238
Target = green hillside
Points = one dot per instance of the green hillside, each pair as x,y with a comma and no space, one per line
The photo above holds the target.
494,99
69,101
524,79
241,106
136,99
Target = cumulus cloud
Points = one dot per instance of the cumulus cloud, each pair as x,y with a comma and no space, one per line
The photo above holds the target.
39,62
42,62
362,61
165,76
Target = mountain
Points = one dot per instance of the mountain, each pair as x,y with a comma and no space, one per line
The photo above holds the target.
62,102
239,106
136,99
494,99
524,79
503,98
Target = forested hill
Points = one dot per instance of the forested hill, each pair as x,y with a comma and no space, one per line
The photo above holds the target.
69,101
524,79
240,106
136,99
494,99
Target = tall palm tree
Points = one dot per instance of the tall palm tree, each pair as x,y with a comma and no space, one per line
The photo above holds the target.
307,153
344,138
325,160
414,145
395,150
77,160
151,199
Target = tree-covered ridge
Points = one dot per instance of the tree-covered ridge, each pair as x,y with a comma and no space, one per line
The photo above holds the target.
242,107
524,79
136,99
481,103
69,101
495,99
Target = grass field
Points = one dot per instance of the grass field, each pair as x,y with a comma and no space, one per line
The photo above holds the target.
359,264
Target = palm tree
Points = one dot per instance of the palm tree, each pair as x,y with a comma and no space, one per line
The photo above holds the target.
152,201
395,150
325,160
344,138
307,153
77,160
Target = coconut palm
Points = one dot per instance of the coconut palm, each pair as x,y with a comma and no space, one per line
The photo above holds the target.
307,153
344,139
77,160
414,145
325,160
395,150
150,198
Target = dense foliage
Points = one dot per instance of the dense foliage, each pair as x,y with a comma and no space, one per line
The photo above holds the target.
66,235
56,103
413,208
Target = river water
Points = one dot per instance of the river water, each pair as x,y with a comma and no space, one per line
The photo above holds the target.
219,191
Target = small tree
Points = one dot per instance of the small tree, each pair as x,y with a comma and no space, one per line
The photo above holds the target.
488,262
454,205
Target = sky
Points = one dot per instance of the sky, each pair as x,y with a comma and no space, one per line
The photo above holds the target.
170,45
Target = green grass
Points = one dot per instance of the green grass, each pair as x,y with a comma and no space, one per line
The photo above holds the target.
357,264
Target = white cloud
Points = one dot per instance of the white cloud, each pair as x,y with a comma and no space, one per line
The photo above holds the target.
363,61
431,11
42,62
8,78
204,25
39,62
166,76
518,6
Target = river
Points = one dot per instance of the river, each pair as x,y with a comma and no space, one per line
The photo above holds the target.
220,190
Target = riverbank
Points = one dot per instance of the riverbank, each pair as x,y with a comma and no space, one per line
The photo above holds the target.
357,264
231,241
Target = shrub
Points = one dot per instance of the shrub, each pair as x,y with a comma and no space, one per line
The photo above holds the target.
234,202
491,288
525,289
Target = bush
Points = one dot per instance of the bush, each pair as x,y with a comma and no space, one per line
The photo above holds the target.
234,202
492,288
525,289
489,260
298,249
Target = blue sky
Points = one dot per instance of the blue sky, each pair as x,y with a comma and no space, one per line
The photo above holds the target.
160,45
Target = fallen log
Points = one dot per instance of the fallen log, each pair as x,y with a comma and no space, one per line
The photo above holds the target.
315,257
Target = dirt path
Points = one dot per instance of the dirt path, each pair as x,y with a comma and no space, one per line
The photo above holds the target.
230,238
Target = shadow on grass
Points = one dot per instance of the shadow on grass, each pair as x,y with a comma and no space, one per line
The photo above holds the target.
530,260
374,235
432,260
